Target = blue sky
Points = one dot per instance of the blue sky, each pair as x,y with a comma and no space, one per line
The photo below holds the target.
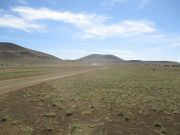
69,29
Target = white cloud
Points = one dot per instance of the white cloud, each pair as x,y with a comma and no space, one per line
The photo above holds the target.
91,25
18,23
124,28
45,13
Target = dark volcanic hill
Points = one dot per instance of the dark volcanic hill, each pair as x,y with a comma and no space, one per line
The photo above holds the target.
12,53
100,59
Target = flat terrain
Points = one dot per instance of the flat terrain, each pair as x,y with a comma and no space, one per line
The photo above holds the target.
14,84
19,71
123,100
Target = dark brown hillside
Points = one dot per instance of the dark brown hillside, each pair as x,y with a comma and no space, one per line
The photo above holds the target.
100,59
12,53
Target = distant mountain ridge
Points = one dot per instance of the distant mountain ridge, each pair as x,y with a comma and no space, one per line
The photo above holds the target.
153,62
99,59
13,53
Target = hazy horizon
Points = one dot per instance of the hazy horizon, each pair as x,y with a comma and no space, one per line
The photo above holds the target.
129,29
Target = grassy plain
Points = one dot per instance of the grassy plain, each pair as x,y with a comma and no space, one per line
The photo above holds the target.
123,100
18,71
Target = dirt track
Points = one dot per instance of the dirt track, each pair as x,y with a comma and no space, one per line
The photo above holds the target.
14,84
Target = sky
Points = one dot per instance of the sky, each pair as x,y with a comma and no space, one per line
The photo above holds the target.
70,29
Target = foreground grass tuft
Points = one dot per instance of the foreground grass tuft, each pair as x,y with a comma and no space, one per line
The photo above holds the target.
50,114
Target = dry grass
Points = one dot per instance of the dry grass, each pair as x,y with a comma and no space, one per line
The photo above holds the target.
123,100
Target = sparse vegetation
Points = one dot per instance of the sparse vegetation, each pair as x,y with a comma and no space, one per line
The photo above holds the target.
50,114
49,126
157,124
15,122
15,71
28,130
122,100
4,117
69,112
163,130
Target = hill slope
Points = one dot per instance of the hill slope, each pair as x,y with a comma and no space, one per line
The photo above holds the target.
100,59
12,53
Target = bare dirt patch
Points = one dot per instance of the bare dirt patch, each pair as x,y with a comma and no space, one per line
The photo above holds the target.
96,103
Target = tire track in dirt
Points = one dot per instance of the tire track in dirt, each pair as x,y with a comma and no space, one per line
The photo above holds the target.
15,84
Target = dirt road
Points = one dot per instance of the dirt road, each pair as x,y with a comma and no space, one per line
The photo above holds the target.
14,84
